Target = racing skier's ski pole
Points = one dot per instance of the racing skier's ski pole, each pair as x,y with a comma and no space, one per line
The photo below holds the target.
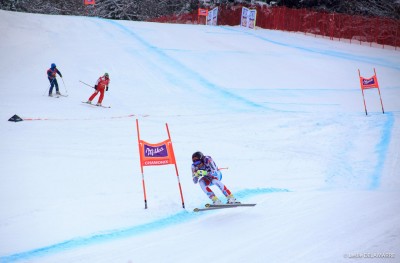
86,84
223,168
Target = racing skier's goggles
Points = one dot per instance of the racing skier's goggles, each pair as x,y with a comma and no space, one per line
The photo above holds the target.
196,162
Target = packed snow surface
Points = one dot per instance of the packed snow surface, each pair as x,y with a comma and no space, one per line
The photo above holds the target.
282,111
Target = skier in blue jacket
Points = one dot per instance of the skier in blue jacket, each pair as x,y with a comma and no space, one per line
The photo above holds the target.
206,173
51,75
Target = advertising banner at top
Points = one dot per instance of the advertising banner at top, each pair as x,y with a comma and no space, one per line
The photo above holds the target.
89,2
248,18
212,18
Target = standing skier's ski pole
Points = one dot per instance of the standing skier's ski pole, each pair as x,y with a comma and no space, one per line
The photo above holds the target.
66,91
86,84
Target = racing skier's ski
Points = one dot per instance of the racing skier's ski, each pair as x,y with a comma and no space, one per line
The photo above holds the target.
229,205
220,206
212,208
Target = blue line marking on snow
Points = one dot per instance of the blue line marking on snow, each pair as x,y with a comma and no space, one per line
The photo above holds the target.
337,54
132,231
248,193
382,149
193,75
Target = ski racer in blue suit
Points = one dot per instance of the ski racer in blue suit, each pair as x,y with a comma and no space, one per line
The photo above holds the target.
51,75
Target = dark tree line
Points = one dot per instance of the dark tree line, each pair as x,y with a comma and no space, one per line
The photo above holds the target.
146,9
114,9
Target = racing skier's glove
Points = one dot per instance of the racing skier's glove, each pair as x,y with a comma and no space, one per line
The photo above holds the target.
201,173
198,175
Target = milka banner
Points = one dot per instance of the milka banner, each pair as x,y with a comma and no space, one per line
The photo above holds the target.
369,83
212,18
248,18
156,154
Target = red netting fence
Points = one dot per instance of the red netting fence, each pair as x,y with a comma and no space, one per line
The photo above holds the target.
360,29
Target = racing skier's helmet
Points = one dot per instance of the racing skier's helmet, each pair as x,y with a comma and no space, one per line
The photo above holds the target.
197,156
53,65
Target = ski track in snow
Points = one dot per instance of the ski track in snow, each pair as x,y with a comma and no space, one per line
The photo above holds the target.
372,179
111,235
382,149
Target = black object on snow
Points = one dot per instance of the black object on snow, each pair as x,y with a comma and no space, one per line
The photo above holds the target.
15,118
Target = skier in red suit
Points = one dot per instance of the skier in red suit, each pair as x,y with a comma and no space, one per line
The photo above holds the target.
101,85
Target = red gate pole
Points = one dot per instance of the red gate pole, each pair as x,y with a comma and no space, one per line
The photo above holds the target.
379,91
141,166
176,168
383,111
362,90
365,107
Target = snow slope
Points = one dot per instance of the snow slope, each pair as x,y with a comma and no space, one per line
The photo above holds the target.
283,111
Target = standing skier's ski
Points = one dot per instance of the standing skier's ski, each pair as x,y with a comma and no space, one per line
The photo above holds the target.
58,95
94,105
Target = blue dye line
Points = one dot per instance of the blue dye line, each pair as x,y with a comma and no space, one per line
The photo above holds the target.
382,149
336,54
108,236
193,75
